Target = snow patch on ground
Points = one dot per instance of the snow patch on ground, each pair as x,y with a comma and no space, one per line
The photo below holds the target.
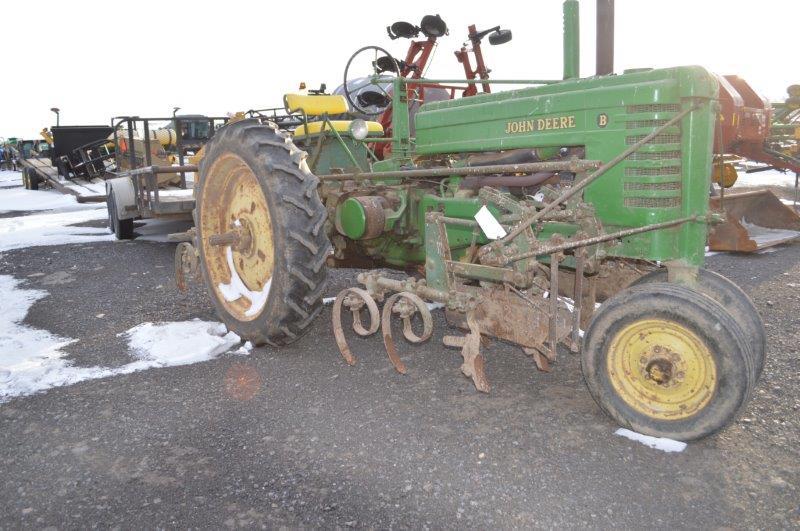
659,443
236,289
52,228
32,359
22,200
244,350
178,343
10,178
765,178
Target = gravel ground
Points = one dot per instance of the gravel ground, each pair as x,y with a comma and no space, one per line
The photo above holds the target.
311,442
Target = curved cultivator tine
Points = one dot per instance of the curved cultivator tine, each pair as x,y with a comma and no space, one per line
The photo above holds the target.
405,304
473,366
355,299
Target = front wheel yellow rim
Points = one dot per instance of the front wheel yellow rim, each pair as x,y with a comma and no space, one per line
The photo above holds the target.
661,369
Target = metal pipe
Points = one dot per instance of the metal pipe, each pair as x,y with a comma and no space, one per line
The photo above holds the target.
553,327
576,165
591,178
417,288
577,300
599,239
424,81
605,37
155,170
572,40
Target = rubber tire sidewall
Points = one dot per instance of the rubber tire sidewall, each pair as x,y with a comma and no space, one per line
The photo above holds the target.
700,314
266,327
33,180
730,296
121,228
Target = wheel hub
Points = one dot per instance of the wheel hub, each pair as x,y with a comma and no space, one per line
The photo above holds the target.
236,230
661,368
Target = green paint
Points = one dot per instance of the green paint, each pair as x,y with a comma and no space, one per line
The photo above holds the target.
352,218
572,35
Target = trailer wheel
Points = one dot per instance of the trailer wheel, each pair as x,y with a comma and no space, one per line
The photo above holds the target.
33,180
664,360
735,300
122,228
260,233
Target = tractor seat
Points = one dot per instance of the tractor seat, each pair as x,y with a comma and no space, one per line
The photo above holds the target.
315,105
341,126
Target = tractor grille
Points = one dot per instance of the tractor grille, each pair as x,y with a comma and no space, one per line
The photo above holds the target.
650,187
650,172
655,155
645,124
655,107
653,184
652,179
652,202
667,138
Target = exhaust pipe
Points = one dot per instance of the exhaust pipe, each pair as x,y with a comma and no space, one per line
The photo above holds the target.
572,39
605,37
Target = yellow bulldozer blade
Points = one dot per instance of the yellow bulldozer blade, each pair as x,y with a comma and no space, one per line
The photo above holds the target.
754,220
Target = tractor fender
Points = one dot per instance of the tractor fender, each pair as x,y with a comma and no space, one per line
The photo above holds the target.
124,197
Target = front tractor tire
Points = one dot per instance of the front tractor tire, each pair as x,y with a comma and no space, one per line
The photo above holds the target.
261,233
736,301
664,360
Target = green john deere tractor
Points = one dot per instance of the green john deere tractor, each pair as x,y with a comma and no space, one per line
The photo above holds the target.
516,210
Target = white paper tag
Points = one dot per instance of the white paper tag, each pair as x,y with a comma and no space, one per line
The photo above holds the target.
489,224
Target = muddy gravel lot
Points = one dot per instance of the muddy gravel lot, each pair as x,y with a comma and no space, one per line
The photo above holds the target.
294,437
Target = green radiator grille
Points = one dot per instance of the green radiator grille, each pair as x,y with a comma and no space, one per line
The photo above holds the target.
652,179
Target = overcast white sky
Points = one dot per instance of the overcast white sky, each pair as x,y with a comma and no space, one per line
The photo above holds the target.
97,59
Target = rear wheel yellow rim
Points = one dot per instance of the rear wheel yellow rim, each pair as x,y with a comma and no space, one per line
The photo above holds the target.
233,201
661,369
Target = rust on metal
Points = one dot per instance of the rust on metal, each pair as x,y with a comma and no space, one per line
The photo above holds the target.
474,364
405,304
577,300
355,299
186,265
753,220
539,357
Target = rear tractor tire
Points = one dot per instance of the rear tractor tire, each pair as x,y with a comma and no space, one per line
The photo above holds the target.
664,360
261,233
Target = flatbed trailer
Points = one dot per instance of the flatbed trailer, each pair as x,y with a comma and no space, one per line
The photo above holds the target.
72,164
40,171
139,191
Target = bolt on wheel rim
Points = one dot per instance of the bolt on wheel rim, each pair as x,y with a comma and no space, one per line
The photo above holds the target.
661,369
234,211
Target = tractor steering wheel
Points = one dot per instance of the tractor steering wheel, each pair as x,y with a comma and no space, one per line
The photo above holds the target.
367,94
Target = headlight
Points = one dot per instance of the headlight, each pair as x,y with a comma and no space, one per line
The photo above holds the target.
359,129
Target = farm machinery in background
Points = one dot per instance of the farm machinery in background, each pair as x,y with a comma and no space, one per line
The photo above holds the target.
513,209
70,158
153,159
750,128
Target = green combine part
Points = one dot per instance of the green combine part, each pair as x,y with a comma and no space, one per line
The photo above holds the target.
517,210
